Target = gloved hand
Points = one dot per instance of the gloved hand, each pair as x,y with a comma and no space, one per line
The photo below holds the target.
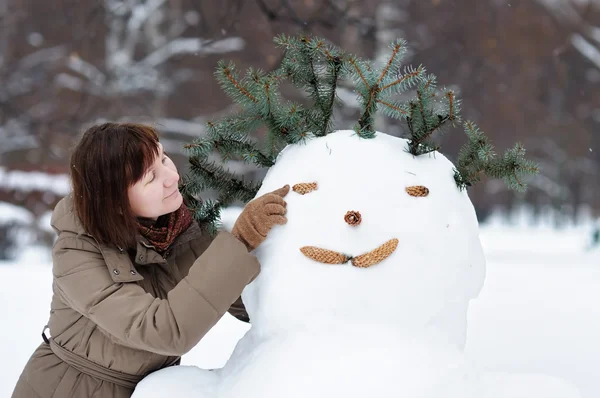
259,216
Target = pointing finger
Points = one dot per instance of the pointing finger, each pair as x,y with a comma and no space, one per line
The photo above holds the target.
282,191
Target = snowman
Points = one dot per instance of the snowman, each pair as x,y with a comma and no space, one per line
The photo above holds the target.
365,290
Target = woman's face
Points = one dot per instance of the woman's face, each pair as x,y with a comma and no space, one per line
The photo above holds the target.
157,192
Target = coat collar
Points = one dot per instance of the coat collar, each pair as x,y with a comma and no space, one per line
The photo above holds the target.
119,264
117,259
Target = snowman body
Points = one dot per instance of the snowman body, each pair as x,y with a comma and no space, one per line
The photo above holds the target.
364,361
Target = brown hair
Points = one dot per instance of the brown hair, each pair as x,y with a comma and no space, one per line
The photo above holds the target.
108,159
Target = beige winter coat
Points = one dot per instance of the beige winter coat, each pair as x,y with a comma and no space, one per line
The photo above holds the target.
117,316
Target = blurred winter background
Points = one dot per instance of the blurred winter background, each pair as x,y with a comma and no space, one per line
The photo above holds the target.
526,70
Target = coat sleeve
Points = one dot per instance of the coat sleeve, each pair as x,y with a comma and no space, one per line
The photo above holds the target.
170,326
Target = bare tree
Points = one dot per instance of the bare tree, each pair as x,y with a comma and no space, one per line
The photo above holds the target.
580,19
141,38
574,15
21,78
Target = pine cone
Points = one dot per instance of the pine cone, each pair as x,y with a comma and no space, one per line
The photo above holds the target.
353,218
376,256
305,187
417,190
324,256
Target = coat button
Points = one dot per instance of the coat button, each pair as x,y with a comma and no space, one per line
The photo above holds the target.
141,258
116,271
133,272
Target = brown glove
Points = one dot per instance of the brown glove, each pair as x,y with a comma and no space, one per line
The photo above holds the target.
259,216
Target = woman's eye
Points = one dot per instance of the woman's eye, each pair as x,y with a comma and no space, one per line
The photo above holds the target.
164,159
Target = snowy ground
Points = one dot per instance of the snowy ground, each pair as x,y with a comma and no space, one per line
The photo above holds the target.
538,311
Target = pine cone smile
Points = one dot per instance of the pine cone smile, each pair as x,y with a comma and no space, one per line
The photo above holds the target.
363,261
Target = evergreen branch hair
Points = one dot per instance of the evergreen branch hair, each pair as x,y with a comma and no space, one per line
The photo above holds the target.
477,157
214,176
316,68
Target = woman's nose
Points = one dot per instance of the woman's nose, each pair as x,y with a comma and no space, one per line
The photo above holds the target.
173,178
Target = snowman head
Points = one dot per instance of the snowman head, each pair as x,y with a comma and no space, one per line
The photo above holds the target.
374,234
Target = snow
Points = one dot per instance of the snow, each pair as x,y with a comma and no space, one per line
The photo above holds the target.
509,323
10,213
27,181
537,311
532,330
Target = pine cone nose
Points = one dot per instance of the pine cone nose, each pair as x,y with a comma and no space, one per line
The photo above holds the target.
353,218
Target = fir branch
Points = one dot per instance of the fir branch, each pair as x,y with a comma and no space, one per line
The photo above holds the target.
429,120
450,96
336,65
366,129
200,147
369,95
374,88
230,139
229,146
190,187
396,48
396,109
359,72
312,79
312,66
422,111
241,123
513,167
429,132
207,213
477,158
226,74
406,78
330,56
215,177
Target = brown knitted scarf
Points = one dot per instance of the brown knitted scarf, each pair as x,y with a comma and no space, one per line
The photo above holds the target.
162,233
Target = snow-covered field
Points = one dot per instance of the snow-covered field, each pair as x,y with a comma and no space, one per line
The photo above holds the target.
538,311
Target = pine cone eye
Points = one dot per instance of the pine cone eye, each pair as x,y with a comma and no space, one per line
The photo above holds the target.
305,187
417,191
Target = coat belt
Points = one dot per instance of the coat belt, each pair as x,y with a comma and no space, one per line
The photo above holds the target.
92,369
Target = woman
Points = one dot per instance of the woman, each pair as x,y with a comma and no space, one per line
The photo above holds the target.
136,282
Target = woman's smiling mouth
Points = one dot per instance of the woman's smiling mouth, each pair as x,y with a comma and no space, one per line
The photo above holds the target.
171,195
